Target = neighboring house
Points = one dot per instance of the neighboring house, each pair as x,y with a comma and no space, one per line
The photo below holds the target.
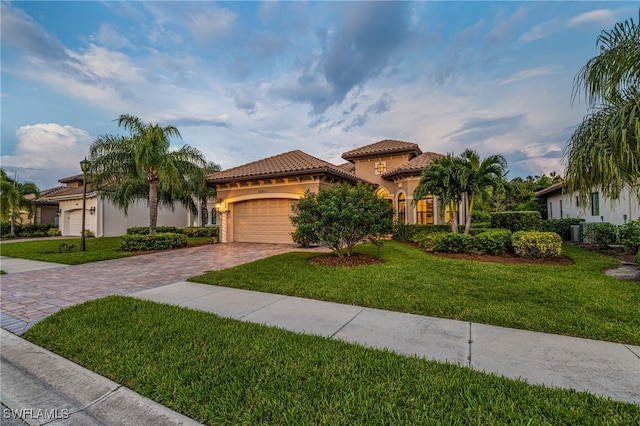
102,217
560,204
255,199
46,211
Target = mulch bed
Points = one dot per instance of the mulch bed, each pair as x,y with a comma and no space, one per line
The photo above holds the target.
507,258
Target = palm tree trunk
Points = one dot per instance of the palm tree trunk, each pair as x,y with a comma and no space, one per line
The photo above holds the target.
153,206
467,225
453,213
13,222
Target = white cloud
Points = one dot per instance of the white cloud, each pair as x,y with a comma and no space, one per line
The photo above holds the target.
527,74
46,152
600,17
542,30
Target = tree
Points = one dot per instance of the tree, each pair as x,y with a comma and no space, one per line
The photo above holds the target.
446,178
481,176
12,198
604,151
204,192
340,217
142,167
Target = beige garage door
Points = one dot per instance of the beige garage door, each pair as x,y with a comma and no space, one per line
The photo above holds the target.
263,221
74,222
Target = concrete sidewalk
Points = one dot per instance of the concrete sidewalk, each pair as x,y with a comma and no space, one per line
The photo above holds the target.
602,368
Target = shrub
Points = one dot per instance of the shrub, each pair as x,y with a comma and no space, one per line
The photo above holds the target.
7,236
517,221
33,234
537,245
478,217
158,241
600,234
53,232
340,217
201,231
428,240
561,227
630,236
494,241
637,258
144,230
456,243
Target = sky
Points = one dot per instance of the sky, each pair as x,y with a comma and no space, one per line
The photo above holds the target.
247,80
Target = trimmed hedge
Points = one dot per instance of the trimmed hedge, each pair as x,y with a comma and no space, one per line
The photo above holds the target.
561,227
630,236
27,230
144,230
537,245
201,231
495,241
600,234
158,241
517,221
404,232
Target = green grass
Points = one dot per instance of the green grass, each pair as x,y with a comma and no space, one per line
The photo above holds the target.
223,371
98,249
577,300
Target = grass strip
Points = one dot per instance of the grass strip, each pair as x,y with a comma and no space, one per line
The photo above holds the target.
98,249
577,300
223,371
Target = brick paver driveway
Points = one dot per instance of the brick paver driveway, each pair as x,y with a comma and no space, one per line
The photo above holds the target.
29,296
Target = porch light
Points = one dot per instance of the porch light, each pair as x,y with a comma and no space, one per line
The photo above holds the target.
221,206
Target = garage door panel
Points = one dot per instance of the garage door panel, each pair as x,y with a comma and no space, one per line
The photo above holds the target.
264,221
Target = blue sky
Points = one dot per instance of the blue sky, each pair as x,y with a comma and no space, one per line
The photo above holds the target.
247,80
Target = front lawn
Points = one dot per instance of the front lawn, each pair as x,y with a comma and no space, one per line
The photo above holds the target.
53,250
577,300
223,371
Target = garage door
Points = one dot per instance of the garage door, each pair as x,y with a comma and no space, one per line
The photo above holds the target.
263,221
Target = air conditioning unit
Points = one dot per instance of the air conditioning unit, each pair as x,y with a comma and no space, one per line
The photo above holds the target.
575,233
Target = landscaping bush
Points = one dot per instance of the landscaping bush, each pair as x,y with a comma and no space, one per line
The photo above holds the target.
637,258
33,234
158,241
493,241
53,232
630,236
517,221
144,230
600,234
479,217
455,243
561,227
428,240
536,245
201,231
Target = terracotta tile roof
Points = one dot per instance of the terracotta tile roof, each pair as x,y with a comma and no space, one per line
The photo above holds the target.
68,192
350,167
383,147
292,163
414,166
553,188
74,178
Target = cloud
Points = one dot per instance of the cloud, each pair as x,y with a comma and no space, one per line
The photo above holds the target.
504,28
110,37
527,74
383,104
366,38
222,121
600,18
47,152
542,30
478,130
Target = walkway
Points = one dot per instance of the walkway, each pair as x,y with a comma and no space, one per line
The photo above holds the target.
33,290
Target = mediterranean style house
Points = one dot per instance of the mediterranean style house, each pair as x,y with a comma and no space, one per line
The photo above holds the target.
560,204
255,200
103,218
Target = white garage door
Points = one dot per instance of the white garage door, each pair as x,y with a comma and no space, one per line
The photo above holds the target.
263,221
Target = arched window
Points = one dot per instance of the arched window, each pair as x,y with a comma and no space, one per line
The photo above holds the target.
424,208
402,208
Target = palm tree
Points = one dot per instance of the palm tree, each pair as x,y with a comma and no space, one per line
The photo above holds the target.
481,177
142,167
604,151
446,178
204,192
12,198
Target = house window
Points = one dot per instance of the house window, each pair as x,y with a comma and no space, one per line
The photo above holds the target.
561,213
402,208
381,167
550,210
214,217
425,210
577,201
595,204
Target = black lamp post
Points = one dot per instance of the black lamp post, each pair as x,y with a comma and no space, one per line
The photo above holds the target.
84,166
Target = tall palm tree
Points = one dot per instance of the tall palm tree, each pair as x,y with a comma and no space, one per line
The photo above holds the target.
446,178
204,192
482,176
604,151
141,166
12,198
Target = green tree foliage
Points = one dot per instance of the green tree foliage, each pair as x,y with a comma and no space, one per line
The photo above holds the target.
141,166
604,151
340,217
13,199
204,192
482,176
446,179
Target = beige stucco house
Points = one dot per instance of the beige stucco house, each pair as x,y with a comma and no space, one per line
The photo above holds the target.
255,199
103,218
